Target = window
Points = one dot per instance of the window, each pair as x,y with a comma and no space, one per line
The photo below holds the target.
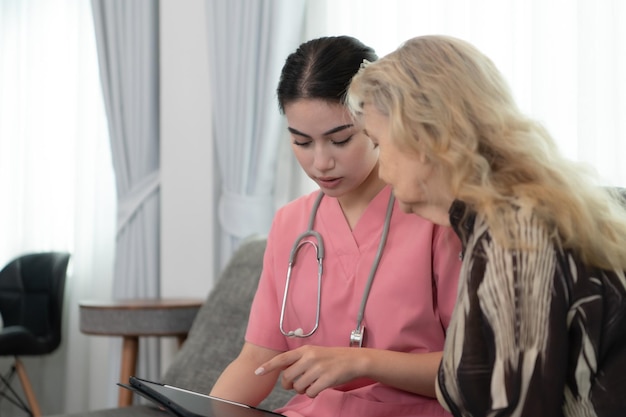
563,60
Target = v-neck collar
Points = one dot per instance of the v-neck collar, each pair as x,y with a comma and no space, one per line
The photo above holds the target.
368,229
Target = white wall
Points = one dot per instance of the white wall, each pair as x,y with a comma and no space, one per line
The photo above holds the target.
187,191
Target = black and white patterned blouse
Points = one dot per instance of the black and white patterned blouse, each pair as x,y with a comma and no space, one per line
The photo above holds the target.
535,332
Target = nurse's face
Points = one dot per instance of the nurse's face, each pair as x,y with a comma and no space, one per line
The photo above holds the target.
333,152
417,185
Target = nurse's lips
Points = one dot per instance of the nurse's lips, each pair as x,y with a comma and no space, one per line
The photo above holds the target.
329,182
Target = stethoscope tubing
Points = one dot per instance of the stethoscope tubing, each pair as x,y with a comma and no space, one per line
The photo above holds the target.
357,335
301,240
319,249
379,254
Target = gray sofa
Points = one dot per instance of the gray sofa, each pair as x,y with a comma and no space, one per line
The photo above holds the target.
215,337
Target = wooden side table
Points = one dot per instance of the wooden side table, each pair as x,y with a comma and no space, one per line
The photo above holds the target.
132,318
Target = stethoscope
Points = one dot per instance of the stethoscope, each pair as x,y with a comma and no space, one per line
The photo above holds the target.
307,238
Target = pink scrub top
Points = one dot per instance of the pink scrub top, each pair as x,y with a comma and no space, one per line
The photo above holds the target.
408,309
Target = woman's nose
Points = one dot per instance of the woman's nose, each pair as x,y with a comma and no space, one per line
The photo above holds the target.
324,159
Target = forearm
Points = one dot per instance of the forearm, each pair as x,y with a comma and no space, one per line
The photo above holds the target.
412,372
242,387
238,381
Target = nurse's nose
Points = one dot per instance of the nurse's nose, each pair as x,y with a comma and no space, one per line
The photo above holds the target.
324,158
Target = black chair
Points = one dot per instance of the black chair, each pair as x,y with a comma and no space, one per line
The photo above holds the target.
31,304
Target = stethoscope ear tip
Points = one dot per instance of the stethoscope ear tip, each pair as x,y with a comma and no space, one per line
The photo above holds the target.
296,333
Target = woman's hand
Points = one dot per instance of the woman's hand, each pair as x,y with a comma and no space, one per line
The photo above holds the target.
311,369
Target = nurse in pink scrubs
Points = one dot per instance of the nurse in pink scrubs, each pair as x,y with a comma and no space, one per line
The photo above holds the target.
404,297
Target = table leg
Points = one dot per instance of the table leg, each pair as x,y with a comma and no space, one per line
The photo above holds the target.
130,346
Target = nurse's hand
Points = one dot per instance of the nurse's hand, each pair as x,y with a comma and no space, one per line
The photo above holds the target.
311,369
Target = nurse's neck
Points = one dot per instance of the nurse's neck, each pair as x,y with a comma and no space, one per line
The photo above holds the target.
354,203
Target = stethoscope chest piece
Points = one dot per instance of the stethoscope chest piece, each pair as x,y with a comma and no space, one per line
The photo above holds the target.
357,337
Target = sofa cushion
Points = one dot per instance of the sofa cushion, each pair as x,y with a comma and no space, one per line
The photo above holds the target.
217,334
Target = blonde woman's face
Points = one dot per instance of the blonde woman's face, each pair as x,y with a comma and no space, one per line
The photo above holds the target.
415,183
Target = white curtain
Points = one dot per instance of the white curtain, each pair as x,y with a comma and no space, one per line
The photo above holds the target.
128,50
249,41
56,178
564,60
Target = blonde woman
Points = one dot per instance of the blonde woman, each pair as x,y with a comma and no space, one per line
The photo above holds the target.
539,328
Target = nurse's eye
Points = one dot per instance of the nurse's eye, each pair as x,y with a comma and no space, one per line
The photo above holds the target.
303,144
342,142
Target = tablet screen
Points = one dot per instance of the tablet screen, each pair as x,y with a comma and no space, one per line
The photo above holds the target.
197,404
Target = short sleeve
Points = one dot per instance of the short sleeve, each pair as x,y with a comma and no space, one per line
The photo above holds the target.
263,324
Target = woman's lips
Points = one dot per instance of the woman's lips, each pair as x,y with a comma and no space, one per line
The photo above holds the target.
328,182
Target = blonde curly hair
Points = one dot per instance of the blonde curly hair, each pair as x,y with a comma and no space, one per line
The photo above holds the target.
447,100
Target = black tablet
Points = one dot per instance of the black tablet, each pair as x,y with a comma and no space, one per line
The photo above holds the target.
184,403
